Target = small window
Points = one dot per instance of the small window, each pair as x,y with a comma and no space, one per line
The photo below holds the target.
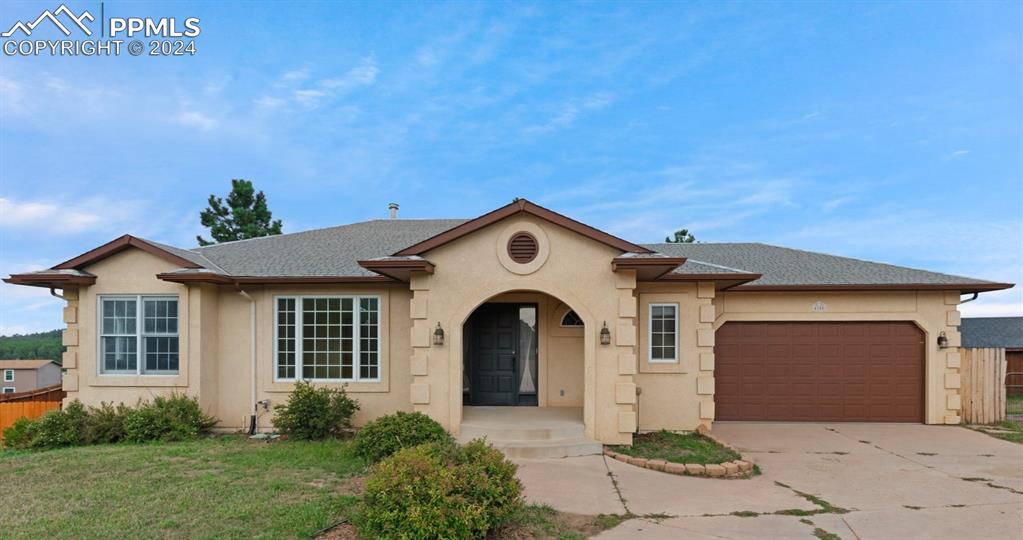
8,389
571,319
139,335
8,375
663,333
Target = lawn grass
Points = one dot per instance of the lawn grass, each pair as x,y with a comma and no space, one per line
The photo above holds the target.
225,487
220,487
678,448
1008,430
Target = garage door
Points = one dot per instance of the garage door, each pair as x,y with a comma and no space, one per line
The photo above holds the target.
797,371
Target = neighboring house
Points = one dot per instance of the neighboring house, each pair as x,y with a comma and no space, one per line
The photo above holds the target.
25,375
999,333
519,307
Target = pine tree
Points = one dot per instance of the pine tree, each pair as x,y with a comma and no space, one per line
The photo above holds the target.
682,236
245,215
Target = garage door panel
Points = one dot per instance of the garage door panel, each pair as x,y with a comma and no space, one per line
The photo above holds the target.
826,371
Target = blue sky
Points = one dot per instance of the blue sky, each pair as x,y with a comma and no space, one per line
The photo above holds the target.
890,132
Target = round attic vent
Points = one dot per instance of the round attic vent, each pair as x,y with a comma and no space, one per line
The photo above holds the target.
522,248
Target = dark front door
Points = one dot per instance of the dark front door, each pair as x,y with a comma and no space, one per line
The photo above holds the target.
494,353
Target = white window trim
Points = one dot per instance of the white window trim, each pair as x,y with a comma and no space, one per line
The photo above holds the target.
9,390
650,333
139,335
356,338
8,375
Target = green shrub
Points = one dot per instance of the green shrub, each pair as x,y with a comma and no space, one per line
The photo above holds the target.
388,434
20,434
439,490
65,427
175,418
105,424
315,413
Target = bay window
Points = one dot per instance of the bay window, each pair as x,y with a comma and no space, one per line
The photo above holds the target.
327,338
134,328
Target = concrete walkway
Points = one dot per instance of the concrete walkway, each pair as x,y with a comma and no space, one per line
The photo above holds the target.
897,481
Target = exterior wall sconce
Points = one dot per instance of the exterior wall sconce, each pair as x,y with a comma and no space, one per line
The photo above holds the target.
605,335
438,335
942,341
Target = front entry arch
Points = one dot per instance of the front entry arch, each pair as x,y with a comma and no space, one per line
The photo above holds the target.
460,340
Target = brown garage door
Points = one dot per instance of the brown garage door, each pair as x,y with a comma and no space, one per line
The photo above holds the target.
797,371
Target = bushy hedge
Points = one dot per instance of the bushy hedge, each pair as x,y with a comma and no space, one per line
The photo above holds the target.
440,490
388,434
165,419
315,413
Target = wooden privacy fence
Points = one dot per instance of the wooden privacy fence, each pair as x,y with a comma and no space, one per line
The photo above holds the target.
31,404
983,385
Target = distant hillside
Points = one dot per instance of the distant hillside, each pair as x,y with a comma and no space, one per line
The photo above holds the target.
40,345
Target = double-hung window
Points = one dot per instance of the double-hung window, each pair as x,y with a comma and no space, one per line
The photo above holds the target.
327,338
8,375
8,389
663,333
138,335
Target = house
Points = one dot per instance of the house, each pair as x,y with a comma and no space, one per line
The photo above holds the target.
25,375
999,333
522,308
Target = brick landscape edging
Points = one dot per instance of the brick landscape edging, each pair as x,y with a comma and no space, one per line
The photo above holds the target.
740,468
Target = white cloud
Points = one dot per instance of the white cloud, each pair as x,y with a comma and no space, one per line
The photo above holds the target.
570,111
309,98
958,154
269,102
196,119
295,75
364,74
47,215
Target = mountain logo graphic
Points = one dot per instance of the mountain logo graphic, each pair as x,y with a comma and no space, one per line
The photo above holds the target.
27,28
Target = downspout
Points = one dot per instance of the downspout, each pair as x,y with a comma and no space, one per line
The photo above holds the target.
975,295
53,293
252,358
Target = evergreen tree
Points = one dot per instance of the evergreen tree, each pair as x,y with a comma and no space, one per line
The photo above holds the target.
682,236
245,215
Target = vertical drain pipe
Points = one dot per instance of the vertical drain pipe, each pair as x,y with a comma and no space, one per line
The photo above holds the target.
252,358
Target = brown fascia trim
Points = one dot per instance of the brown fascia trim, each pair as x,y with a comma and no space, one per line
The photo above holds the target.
517,206
120,244
663,264
53,280
962,287
221,279
397,269
746,278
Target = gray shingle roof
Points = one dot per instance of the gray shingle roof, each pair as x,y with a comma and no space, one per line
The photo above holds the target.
333,251
786,266
995,332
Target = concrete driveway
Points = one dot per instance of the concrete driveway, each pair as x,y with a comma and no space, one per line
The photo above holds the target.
897,481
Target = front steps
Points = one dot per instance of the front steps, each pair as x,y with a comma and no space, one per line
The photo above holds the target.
529,432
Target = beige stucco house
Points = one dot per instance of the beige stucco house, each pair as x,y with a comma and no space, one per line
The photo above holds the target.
519,308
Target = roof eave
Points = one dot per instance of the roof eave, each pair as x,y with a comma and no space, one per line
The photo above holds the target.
120,244
647,268
961,287
55,281
220,279
722,281
400,270
515,207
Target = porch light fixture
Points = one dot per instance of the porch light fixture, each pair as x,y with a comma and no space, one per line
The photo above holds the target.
605,335
942,341
438,335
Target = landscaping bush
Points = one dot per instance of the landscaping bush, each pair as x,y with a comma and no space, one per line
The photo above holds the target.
175,418
20,434
105,424
388,434
315,413
440,490
65,427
